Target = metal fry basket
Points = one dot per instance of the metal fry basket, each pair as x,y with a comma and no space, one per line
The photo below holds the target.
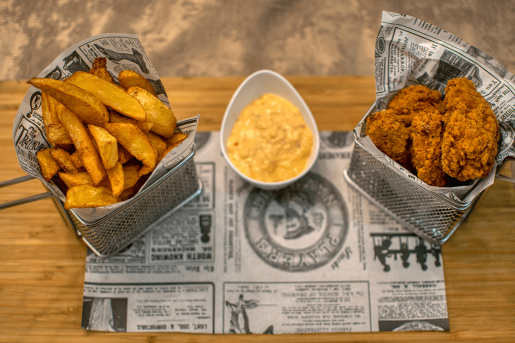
145,210
432,216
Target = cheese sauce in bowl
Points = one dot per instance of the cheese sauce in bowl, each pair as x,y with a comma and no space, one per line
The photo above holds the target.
270,140
269,136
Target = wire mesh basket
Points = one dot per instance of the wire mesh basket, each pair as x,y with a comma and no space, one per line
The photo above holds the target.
409,204
430,215
141,213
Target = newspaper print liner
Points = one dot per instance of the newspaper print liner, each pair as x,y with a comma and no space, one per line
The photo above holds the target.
123,51
410,51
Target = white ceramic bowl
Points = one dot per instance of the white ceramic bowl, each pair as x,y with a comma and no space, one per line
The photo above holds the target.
260,83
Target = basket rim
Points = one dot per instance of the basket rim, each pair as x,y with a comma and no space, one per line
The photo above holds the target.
139,195
465,213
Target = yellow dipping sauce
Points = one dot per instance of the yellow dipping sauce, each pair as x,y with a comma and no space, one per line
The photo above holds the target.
270,141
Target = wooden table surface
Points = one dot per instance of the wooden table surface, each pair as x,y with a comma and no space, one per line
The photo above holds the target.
42,262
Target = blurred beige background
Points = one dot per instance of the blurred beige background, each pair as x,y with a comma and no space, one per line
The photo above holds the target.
236,37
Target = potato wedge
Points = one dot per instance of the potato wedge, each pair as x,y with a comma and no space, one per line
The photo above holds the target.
99,62
176,139
131,176
85,196
103,74
76,99
49,109
116,178
158,144
88,154
77,179
127,194
129,78
99,69
70,148
63,158
106,145
115,117
75,157
47,164
136,142
123,155
109,94
157,113
55,133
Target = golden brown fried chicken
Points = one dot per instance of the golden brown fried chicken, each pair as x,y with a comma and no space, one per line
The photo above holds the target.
387,131
426,153
469,144
413,99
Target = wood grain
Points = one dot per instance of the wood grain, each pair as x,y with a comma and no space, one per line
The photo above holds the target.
42,262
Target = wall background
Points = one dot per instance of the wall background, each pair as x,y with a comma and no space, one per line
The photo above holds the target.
236,37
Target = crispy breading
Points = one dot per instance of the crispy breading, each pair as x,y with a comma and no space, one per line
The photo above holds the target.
426,153
469,144
413,99
389,134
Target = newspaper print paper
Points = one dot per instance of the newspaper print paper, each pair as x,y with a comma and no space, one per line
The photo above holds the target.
410,51
313,257
123,51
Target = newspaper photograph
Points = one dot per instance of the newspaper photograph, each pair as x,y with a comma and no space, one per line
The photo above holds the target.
313,257
410,51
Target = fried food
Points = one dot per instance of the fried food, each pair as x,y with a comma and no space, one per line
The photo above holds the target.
413,99
136,142
115,117
89,196
116,178
87,152
176,139
99,70
55,133
79,101
106,145
75,157
77,179
129,78
90,143
99,62
388,132
158,114
158,144
425,151
454,138
131,176
49,167
127,194
469,144
63,158
110,95
123,155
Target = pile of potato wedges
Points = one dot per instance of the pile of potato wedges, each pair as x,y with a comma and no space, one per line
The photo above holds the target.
106,137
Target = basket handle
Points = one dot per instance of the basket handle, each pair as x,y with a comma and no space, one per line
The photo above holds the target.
505,178
33,198
508,178
8,183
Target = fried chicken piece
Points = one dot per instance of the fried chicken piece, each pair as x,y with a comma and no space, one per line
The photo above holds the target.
426,153
387,131
469,144
414,99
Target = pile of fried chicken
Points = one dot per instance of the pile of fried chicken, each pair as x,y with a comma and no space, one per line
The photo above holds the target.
438,140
